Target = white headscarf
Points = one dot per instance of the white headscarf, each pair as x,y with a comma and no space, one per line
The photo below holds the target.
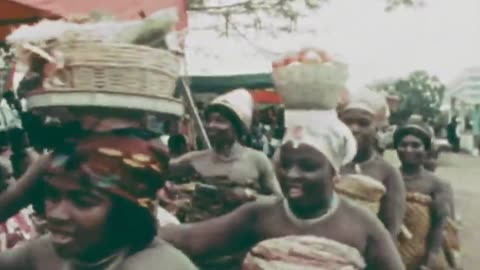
322,130
370,101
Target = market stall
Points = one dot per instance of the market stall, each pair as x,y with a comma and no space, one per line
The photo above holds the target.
14,13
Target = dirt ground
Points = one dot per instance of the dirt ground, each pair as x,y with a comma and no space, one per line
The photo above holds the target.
463,172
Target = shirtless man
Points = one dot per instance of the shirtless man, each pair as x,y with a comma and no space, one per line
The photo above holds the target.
413,142
361,114
307,165
98,201
228,165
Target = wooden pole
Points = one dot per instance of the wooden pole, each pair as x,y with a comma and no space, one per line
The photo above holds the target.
190,105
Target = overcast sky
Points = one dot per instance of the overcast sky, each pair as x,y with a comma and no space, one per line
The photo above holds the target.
443,38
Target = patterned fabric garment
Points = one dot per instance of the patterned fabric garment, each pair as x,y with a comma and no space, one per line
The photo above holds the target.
16,230
221,184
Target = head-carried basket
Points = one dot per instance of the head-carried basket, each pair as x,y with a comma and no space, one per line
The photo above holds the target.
89,73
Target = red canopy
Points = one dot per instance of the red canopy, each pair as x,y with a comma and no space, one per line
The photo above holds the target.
266,97
16,12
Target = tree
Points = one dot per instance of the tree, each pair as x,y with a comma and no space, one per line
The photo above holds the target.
420,93
289,10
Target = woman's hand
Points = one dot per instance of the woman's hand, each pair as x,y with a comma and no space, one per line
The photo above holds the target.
21,193
240,195
431,260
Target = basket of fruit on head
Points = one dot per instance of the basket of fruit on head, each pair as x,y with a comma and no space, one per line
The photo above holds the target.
310,79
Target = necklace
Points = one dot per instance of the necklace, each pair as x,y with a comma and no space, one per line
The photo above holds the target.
108,263
300,221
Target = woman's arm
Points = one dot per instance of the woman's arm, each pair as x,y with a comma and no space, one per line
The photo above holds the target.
440,213
19,195
393,204
18,258
381,252
182,166
215,237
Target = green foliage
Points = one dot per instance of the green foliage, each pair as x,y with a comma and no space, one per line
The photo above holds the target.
420,93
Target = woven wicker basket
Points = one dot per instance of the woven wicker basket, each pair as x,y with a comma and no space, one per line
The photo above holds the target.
55,103
302,253
361,189
311,86
418,221
123,71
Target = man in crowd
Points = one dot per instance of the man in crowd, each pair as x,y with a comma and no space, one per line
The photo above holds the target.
229,166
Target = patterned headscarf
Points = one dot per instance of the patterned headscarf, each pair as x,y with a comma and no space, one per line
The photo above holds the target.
126,166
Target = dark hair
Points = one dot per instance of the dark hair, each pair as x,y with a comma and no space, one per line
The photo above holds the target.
131,224
8,94
237,124
18,139
167,127
4,142
418,132
177,143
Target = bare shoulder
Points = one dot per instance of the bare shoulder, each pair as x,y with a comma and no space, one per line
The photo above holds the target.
435,179
388,167
390,172
362,216
256,155
158,253
31,255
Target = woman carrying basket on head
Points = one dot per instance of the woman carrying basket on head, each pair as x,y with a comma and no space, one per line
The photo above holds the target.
311,227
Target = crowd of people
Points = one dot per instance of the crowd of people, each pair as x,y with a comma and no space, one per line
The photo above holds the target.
242,198
107,193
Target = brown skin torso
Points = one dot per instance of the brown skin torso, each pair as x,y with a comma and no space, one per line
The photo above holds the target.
392,208
337,227
412,153
442,203
254,222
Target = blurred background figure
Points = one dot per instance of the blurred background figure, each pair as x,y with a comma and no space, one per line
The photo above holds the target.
453,134
177,145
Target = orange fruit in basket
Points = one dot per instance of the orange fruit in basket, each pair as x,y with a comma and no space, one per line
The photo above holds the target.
311,56
325,57
291,59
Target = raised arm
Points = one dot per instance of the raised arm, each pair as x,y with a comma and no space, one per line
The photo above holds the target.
21,258
20,194
381,252
182,166
215,237
393,205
